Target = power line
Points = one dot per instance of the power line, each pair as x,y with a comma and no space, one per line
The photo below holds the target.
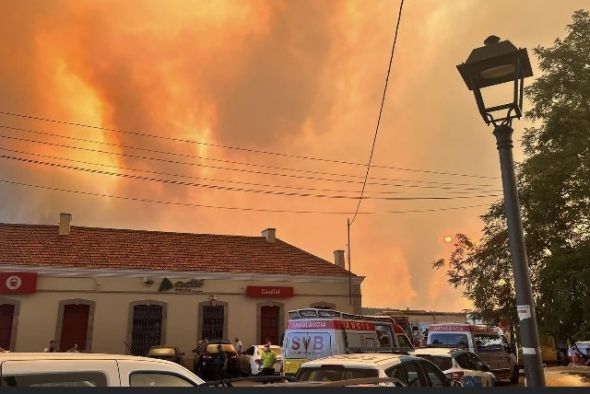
121,168
213,167
249,150
230,188
184,204
185,155
191,156
360,199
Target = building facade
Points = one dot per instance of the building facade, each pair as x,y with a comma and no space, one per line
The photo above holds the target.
122,291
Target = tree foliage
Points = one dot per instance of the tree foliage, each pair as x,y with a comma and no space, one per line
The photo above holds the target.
554,190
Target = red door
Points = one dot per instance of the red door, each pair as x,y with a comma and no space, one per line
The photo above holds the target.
74,327
6,316
269,324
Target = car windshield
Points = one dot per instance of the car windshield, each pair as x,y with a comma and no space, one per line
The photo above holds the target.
488,342
334,374
442,362
275,349
448,340
226,347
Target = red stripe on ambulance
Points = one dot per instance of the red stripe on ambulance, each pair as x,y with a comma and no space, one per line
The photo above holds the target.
331,324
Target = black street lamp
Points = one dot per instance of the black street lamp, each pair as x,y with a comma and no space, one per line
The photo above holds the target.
495,63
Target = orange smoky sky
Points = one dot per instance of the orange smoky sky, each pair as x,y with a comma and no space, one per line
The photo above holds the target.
300,77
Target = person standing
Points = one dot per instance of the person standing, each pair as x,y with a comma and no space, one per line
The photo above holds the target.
574,356
238,345
51,348
204,345
268,361
220,363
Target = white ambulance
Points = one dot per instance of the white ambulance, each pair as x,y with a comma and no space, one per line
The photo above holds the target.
315,333
488,342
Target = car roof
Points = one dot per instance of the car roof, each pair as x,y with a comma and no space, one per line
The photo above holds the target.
439,351
162,346
21,356
360,359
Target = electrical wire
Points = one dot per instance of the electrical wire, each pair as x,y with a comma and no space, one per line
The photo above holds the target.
307,188
191,156
194,205
209,166
249,150
230,188
392,53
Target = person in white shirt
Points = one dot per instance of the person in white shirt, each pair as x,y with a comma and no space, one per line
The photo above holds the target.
238,345
51,348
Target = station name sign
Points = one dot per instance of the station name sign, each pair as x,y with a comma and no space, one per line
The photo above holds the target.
269,292
189,285
18,282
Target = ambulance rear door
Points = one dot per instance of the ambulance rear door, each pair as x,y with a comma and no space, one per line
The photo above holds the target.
308,344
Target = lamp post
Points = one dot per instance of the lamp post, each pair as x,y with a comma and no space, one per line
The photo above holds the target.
499,62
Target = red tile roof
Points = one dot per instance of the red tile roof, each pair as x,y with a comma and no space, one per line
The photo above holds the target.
104,248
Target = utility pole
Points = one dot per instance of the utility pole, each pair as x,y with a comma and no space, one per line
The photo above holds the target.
349,265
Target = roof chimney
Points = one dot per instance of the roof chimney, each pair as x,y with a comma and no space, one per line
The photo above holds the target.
270,234
339,258
64,223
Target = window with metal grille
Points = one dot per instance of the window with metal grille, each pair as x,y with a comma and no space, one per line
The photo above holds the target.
147,328
213,320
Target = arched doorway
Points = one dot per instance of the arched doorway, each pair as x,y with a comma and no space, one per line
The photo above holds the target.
6,325
74,329
269,324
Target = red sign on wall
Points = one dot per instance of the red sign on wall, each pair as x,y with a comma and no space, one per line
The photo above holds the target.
18,282
269,292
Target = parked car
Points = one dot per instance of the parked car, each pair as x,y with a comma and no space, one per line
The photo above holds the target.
250,361
91,370
460,365
170,353
204,366
486,341
410,371
548,351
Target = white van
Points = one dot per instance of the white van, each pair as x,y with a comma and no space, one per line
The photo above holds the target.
315,333
91,370
486,341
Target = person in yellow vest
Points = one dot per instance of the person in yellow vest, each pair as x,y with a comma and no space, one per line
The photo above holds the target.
268,361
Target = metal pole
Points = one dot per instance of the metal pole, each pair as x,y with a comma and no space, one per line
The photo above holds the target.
349,263
525,304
